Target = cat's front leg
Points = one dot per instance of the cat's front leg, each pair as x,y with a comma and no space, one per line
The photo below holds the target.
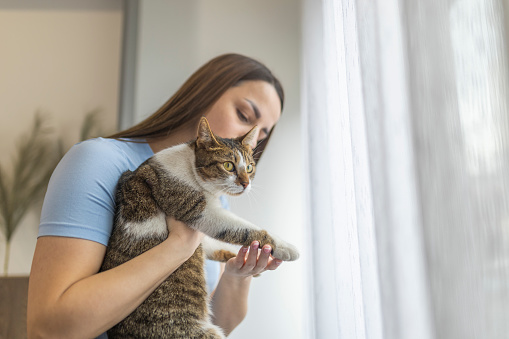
218,250
284,250
225,226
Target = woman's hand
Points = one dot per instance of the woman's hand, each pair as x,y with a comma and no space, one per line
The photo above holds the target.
229,301
251,261
184,237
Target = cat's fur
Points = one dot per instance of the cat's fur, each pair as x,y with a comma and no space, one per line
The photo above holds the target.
185,182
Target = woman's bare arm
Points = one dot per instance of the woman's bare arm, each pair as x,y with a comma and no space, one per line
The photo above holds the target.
67,298
229,300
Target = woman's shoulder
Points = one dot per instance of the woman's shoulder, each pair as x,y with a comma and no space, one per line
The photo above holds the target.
92,155
98,162
110,152
100,147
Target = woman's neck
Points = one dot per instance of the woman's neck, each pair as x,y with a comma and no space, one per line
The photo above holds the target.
180,136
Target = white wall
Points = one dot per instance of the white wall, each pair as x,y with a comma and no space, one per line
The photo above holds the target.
175,38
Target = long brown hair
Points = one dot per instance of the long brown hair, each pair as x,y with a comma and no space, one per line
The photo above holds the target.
199,93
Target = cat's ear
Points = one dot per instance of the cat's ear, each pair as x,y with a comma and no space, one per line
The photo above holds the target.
249,138
206,138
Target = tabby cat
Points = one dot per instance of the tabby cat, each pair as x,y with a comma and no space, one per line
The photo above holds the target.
184,181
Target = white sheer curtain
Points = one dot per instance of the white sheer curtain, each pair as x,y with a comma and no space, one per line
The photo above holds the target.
407,137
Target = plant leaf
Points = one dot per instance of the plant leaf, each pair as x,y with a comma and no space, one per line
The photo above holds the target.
35,159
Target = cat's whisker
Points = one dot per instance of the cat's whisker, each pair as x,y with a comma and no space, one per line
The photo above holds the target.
252,196
225,190
256,152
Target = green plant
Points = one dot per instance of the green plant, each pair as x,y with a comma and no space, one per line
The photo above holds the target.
36,156
34,161
91,126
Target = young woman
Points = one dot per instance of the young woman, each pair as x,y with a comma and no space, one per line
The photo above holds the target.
67,296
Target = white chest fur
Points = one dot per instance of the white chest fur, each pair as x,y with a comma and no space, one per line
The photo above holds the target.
179,162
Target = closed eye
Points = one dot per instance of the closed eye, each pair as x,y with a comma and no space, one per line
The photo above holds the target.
242,116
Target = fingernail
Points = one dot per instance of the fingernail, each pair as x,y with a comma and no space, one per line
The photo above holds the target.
244,249
256,244
279,262
267,249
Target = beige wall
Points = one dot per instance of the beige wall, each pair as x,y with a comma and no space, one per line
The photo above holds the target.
62,59
66,63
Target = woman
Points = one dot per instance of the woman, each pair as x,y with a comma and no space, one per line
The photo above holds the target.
67,296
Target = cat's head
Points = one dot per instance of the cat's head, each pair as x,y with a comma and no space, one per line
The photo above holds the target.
224,165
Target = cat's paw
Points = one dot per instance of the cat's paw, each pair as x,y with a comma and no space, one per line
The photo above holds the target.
221,255
286,252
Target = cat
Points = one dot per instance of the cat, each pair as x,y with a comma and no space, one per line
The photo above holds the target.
185,181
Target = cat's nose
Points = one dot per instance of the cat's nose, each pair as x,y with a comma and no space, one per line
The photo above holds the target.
244,184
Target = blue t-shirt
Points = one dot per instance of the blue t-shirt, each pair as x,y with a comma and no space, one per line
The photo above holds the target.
80,200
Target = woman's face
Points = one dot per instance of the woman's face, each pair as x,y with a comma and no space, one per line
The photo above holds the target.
242,107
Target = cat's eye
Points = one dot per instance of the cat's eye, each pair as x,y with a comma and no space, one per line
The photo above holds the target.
229,166
249,168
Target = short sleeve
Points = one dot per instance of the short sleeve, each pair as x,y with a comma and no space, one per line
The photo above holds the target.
224,202
80,200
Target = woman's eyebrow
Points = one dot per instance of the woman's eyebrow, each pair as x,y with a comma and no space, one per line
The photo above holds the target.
255,108
257,114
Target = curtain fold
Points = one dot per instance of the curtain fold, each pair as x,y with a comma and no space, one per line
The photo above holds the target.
346,292
407,141
459,92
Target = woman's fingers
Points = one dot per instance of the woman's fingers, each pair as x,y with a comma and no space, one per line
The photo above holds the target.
259,261
240,259
273,264
263,259
185,235
252,258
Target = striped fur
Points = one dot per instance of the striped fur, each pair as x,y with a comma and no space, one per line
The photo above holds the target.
185,182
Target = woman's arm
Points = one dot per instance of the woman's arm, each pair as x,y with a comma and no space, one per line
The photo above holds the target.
229,300
67,298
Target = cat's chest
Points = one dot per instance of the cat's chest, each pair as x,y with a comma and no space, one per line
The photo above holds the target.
178,162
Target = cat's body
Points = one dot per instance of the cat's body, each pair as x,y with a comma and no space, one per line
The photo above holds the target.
185,182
